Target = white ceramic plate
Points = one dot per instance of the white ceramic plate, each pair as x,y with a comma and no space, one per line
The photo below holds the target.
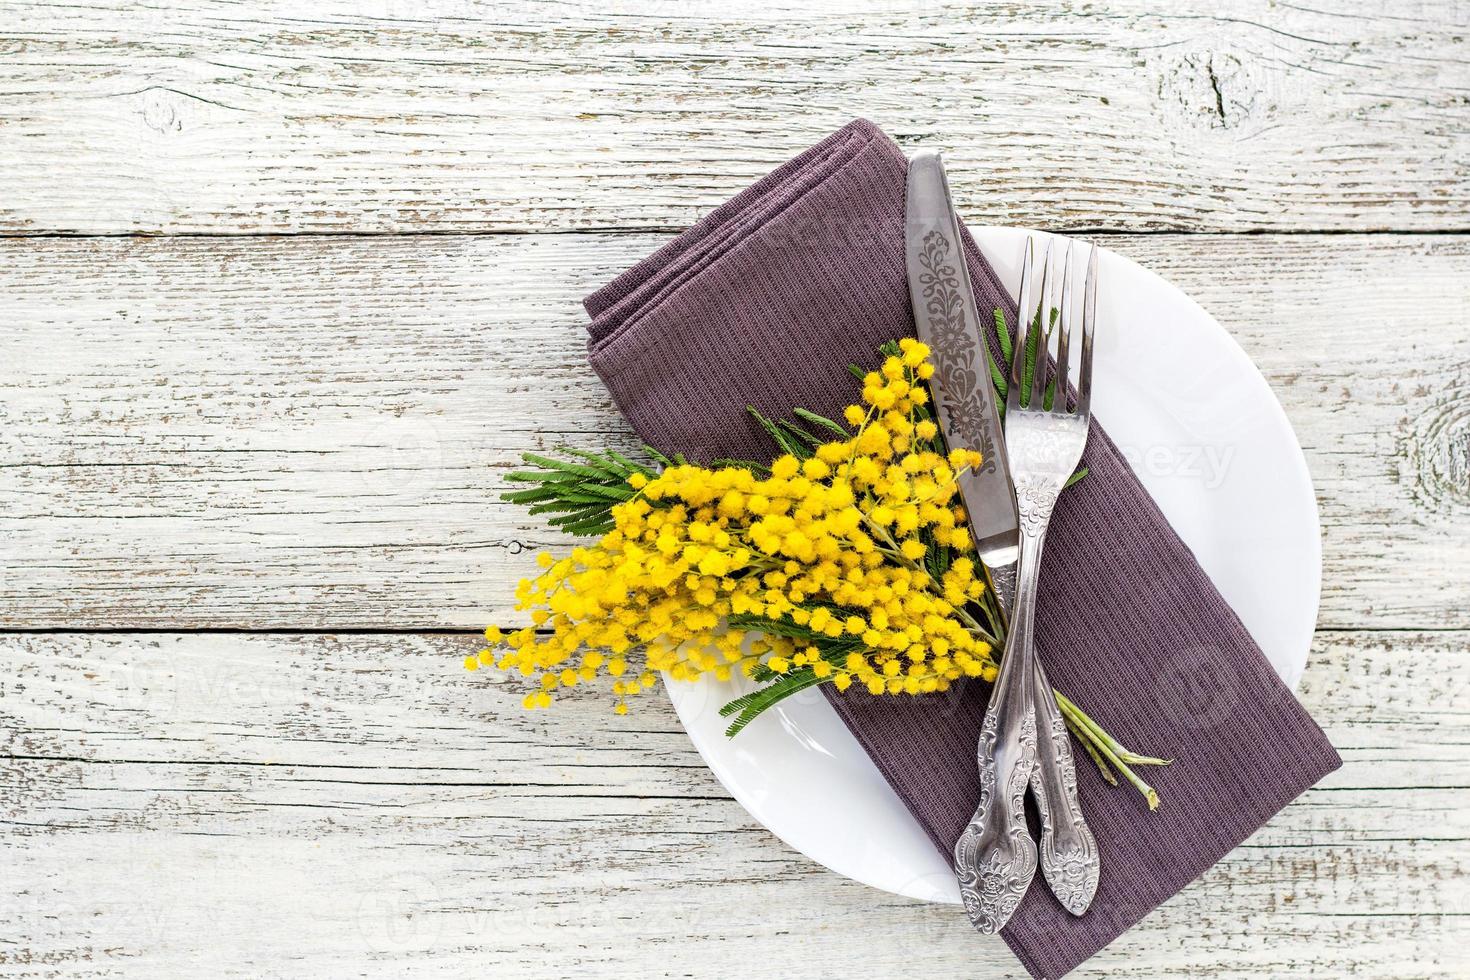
1212,445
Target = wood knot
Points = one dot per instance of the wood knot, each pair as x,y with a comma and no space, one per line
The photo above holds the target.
1437,454
1208,89
162,110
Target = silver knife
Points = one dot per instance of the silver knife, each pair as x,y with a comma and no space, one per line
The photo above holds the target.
946,318
948,321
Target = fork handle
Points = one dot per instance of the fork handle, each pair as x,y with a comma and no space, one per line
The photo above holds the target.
1068,853
1069,857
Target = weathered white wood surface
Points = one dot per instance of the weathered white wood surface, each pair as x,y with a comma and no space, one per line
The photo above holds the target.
296,433
306,433
388,115
356,805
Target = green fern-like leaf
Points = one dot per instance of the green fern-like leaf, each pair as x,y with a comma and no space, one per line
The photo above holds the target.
773,627
748,708
812,418
806,440
1002,333
579,489
787,443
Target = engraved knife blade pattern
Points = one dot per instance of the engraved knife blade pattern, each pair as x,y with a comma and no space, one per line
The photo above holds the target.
964,399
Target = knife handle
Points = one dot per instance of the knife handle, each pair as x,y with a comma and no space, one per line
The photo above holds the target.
995,858
1002,574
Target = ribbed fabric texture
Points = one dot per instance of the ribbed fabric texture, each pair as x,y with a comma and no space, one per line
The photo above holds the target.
766,301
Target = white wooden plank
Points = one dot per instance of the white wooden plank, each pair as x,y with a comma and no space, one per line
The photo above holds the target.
247,805
291,433
267,116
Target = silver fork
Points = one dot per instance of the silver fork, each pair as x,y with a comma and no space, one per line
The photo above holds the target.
1051,443
995,857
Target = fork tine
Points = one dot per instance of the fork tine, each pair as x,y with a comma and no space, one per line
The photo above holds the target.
1089,320
1064,334
1043,328
1023,324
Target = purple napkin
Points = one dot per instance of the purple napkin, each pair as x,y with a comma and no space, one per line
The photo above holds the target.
766,301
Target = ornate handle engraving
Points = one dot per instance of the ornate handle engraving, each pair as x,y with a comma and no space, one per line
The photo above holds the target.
1069,857
995,857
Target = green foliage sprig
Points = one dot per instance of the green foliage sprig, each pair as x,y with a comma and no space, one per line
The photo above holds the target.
579,493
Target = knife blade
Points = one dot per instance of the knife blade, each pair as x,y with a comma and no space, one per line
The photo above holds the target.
948,321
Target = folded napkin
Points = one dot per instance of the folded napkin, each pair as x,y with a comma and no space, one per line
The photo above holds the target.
766,301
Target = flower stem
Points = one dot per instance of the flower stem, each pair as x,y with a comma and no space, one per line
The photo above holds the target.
1110,749
1097,759
1111,743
